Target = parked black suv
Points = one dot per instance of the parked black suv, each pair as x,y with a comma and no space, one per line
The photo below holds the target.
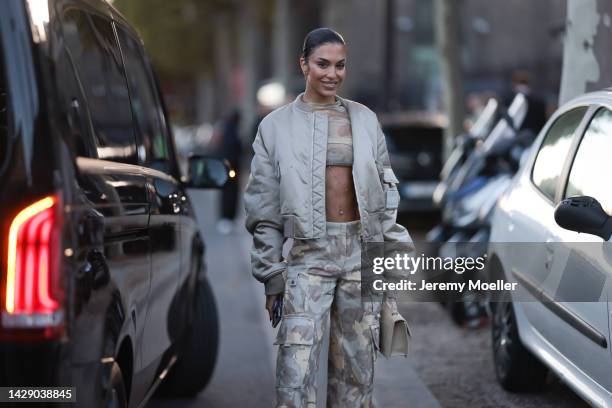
102,280
414,140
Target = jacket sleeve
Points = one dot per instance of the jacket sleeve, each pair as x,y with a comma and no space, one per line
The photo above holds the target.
396,238
263,220
391,230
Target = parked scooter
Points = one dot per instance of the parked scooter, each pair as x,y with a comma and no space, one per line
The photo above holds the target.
464,146
469,194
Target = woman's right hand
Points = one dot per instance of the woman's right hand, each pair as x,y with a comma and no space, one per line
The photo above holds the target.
270,299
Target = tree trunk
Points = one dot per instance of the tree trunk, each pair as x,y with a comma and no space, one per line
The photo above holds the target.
587,61
222,65
447,21
281,40
249,36
390,35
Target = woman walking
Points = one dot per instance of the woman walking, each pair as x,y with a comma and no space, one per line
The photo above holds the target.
321,176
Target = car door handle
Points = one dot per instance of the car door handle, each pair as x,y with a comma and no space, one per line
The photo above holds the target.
549,253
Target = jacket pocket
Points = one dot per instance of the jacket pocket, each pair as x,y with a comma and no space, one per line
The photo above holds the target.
390,182
389,176
292,227
392,199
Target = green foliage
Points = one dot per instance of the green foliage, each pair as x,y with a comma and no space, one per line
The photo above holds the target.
177,33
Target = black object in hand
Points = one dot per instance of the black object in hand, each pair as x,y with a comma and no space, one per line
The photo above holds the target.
277,311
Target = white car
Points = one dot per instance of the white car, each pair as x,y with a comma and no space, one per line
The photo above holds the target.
559,317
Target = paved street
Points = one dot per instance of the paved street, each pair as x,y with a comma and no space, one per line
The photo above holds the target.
448,366
457,365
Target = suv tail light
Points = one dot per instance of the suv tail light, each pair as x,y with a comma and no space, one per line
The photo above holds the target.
32,304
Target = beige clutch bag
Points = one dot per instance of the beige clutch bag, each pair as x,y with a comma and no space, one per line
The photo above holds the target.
394,332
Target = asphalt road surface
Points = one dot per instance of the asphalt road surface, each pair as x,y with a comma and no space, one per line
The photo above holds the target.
457,365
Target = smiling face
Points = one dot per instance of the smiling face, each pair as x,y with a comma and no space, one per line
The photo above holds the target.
324,71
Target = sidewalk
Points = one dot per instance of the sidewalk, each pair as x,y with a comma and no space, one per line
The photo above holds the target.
398,385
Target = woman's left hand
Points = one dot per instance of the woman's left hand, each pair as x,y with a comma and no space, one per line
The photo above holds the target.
270,299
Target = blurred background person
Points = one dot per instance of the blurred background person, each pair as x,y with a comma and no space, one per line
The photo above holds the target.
536,107
231,149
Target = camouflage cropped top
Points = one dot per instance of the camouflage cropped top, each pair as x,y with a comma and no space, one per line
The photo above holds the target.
339,134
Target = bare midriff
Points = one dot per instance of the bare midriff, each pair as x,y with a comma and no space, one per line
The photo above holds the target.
340,200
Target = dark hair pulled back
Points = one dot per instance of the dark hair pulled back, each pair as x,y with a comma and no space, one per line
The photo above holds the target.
320,36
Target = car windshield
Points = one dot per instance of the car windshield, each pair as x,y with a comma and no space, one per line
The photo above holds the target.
405,139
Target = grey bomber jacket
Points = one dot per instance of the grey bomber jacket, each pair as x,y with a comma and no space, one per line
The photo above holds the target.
285,194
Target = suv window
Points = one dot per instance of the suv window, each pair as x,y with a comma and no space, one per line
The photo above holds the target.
94,49
4,126
553,151
146,107
592,162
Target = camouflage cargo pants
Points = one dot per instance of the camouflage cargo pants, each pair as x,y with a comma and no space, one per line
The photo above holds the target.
323,291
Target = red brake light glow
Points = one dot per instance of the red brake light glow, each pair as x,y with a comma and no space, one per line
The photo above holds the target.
31,298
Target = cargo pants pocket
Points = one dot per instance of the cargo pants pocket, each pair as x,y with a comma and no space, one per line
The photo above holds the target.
295,339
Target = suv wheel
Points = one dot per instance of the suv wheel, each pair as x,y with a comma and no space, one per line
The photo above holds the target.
515,367
197,354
